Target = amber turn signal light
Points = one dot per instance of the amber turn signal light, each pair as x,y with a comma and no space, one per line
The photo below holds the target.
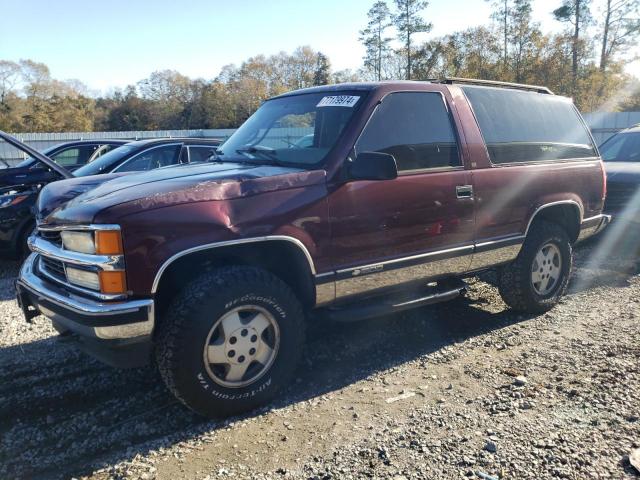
108,242
113,281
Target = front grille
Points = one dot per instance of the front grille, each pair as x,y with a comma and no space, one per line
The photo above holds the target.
54,268
51,236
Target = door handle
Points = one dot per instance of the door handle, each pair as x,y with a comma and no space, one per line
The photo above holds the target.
464,191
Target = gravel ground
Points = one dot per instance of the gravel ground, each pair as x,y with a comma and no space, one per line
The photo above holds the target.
466,389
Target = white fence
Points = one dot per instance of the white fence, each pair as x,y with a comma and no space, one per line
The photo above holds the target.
40,141
605,124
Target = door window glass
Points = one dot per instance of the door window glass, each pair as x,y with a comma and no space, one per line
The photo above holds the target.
200,154
74,156
151,159
415,128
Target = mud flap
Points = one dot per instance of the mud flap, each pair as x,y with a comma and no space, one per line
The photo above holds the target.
28,310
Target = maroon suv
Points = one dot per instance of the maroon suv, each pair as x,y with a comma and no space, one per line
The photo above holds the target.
348,201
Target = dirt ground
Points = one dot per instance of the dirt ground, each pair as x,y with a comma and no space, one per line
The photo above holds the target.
466,389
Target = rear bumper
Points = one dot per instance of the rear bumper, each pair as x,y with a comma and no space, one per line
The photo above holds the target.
592,226
115,332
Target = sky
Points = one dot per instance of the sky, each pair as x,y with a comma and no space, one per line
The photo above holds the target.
119,42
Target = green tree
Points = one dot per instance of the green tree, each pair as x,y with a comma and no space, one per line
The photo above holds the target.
408,21
577,15
322,74
376,43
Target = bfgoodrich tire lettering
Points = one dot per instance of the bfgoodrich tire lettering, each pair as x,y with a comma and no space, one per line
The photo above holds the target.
516,285
186,328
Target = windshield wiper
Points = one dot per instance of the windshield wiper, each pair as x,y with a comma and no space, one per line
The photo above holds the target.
268,152
256,149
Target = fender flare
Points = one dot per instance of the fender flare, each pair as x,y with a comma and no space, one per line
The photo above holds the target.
229,243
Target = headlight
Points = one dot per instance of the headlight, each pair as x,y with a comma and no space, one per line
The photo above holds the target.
10,200
81,242
101,242
83,278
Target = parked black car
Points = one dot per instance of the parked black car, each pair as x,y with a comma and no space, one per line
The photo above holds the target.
71,155
152,153
16,201
621,155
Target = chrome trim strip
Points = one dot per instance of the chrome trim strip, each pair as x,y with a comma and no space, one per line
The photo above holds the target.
241,241
101,296
380,278
59,228
374,266
83,306
325,293
593,225
50,250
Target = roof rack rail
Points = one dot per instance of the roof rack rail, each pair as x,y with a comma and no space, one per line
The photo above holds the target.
493,83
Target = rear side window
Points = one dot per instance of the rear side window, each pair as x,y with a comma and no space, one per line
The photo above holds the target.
415,128
520,126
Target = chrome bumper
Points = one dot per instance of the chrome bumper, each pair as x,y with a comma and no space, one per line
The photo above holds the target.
593,225
83,316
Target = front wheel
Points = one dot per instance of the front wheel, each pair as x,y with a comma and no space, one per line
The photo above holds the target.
230,340
538,278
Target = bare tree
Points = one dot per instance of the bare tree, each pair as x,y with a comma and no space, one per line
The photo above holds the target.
620,28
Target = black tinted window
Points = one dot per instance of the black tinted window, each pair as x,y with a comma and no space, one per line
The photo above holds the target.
413,127
520,126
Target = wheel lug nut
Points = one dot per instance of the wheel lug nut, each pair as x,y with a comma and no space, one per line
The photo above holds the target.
252,351
241,358
233,340
232,353
244,332
254,338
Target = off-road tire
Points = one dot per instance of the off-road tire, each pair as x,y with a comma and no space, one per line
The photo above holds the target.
183,331
514,280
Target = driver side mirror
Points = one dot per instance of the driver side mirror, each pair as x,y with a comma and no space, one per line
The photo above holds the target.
373,166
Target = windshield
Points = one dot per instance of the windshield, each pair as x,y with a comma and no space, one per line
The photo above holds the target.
624,147
297,131
105,163
27,162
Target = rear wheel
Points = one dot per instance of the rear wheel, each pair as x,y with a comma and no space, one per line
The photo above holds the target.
230,340
538,278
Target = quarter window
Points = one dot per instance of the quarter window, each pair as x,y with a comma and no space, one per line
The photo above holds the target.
520,126
415,128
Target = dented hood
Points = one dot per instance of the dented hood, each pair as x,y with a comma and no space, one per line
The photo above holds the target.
80,200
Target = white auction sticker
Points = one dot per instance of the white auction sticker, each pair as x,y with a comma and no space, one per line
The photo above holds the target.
338,101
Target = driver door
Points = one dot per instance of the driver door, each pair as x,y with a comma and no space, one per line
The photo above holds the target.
417,226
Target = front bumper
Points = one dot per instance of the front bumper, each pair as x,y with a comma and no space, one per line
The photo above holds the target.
118,333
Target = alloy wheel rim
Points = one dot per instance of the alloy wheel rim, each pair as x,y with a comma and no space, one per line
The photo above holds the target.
241,346
546,269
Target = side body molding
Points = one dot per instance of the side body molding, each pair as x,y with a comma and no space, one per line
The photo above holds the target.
209,246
